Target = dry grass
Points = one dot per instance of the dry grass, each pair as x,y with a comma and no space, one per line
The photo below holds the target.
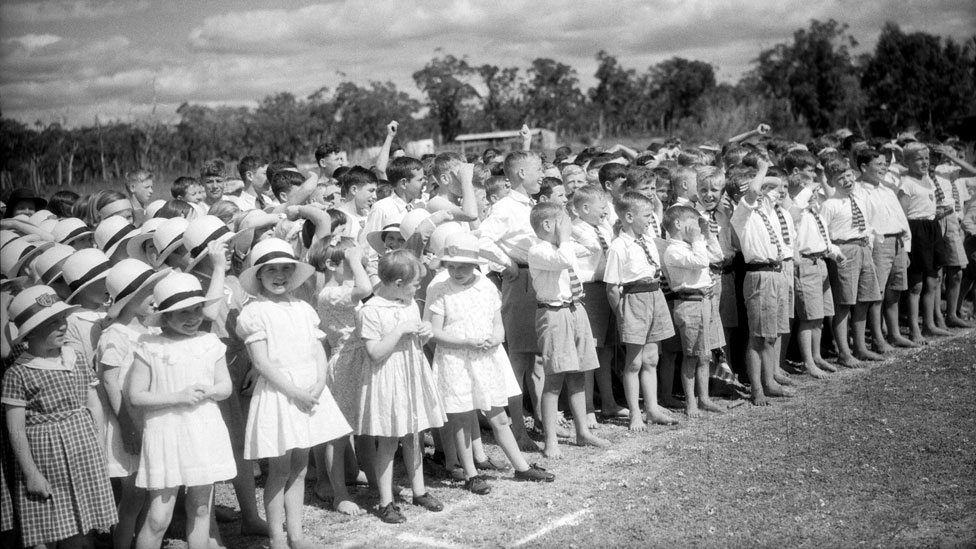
882,457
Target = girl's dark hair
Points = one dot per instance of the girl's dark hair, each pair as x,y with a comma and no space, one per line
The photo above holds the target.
174,208
325,250
338,218
61,203
399,265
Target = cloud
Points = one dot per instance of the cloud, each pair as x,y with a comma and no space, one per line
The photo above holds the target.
62,10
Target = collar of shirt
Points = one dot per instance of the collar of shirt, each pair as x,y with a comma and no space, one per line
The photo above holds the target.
63,363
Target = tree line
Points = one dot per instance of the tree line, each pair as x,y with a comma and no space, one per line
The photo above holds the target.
801,87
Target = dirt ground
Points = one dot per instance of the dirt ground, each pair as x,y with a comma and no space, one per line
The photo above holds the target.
883,456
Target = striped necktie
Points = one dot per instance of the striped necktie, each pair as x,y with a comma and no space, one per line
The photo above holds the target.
772,234
575,285
939,193
857,216
782,223
599,236
955,198
820,228
655,229
712,223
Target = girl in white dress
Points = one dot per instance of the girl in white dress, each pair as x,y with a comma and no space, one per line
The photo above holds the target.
398,398
130,283
471,369
176,381
291,408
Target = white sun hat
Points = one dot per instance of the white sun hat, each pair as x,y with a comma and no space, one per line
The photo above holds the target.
47,267
114,207
112,232
269,252
200,233
127,279
440,234
70,229
174,292
19,252
169,237
153,208
375,238
84,268
134,246
462,248
40,216
35,306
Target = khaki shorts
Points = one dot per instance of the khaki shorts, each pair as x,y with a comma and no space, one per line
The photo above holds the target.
890,264
766,303
565,340
854,281
643,318
955,250
695,323
814,299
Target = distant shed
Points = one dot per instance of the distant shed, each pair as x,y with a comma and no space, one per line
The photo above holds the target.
506,140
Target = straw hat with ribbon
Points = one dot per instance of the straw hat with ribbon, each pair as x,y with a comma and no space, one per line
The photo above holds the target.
462,248
83,269
169,237
174,292
375,238
153,208
135,245
70,229
114,207
416,220
440,234
33,307
18,252
200,233
112,232
7,236
47,266
269,252
128,279
40,216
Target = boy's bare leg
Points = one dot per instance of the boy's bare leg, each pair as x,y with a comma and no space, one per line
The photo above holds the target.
815,338
689,367
861,351
878,341
335,464
770,356
648,386
890,310
665,371
805,332
930,301
701,379
590,407
953,282
604,382
754,351
522,363
915,289
631,382
577,404
965,287
550,410
842,315
780,374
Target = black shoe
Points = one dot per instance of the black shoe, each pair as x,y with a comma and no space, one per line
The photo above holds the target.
535,474
391,514
428,502
491,465
477,485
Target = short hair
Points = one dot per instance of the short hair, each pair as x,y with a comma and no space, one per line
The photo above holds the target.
61,202
587,194
249,164
546,186
82,209
494,184
708,175
399,264
328,250
570,169
137,176
684,174
543,211
516,159
443,163
799,159
338,217
213,168
402,168
637,176
182,185
738,178
913,149
677,213
611,171
598,161
835,167
174,208
490,154
480,174
691,157
276,166
734,155
356,176
562,153
383,189
629,202
341,170
225,210
284,181
325,149
866,156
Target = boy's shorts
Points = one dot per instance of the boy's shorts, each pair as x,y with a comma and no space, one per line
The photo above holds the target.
518,313
854,281
728,303
643,318
928,247
766,303
955,251
788,276
565,340
814,299
598,311
694,322
890,263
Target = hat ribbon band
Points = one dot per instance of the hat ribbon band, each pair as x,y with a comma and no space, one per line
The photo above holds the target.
274,255
89,276
462,253
75,233
123,232
221,231
131,287
27,313
52,273
177,297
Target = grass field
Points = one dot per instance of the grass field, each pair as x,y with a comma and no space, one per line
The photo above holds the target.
878,457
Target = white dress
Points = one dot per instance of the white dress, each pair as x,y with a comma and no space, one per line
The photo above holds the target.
344,376
468,378
183,445
274,423
398,396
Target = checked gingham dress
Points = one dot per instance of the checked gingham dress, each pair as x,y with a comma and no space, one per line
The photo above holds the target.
65,448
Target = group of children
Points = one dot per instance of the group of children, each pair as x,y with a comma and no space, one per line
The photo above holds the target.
336,317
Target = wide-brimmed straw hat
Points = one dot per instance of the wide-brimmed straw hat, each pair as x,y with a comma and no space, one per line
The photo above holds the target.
18,252
40,216
270,252
70,229
47,266
134,246
7,236
169,237
112,232
462,248
200,233
22,195
84,268
174,292
440,234
153,208
114,207
375,238
35,306
127,279
416,220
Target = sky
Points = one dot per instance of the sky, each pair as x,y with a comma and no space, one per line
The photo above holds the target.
71,61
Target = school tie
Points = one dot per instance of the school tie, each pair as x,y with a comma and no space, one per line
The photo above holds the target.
782,224
772,234
820,228
712,223
603,241
655,229
575,285
409,207
647,252
955,198
857,216
939,193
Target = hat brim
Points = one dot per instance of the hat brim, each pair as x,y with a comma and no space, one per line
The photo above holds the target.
116,307
228,238
167,251
250,283
39,248
68,241
4,282
74,294
462,259
156,318
134,248
114,247
59,308
375,240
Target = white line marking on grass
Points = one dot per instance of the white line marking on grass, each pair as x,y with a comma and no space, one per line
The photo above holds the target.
425,541
566,520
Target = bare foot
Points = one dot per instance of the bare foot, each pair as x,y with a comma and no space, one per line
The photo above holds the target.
955,322
782,380
815,372
671,402
848,361
347,507
692,411
882,347
637,424
279,541
779,391
710,406
824,365
759,399
591,421
254,526
301,543
552,452
901,341
618,412
591,440
936,331
867,355
660,416
918,339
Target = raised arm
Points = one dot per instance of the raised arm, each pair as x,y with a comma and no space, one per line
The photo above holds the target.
761,129
383,160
